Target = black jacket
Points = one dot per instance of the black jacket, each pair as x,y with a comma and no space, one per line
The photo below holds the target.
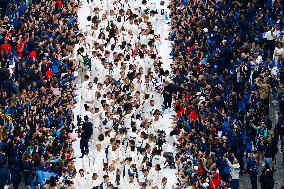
266,179
87,129
169,90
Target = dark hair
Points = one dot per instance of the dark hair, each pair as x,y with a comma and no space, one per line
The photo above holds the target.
101,137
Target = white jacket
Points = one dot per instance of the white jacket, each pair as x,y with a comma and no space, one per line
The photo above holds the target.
235,169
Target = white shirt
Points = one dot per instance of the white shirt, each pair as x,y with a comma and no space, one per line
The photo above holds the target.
98,158
89,114
95,183
82,181
131,185
268,35
158,160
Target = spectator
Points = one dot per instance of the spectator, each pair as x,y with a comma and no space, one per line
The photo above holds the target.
226,56
223,52
266,179
38,92
252,170
235,173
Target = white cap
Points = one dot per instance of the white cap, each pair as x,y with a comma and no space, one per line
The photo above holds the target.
205,30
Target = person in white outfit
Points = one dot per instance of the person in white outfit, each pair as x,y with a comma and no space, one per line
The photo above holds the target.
82,180
119,93
95,182
235,172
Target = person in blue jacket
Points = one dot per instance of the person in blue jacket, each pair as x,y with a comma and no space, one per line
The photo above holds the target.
4,174
252,170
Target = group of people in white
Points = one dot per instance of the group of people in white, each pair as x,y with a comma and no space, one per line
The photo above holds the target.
121,96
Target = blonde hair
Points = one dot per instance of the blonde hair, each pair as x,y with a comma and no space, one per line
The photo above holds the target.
152,138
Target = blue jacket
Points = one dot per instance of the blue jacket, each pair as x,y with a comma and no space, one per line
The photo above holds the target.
4,175
251,165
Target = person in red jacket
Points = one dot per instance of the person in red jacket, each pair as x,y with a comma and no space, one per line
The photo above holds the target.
59,3
216,180
20,48
33,55
6,48
49,73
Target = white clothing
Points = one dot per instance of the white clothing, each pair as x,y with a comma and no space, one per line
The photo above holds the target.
82,181
235,169
95,183
158,160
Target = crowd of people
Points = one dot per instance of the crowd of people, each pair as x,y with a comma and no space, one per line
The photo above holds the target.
103,86
228,56
37,39
123,140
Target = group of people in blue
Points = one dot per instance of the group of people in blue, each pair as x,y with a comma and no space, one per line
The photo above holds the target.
37,39
228,67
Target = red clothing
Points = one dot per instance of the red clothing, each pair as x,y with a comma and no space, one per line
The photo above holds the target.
190,49
8,36
135,52
216,181
201,170
186,111
49,74
59,3
33,54
216,141
20,48
179,114
193,115
6,48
